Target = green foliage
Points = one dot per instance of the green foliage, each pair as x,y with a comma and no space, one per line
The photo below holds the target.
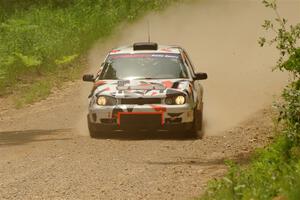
275,170
293,63
28,61
36,92
66,59
40,89
292,191
285,40
272,173
290,112
39,36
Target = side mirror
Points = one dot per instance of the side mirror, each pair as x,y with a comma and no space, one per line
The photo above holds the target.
200,76
88,77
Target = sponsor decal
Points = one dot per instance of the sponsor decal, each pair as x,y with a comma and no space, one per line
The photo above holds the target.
98,83
167,84
115,51
159,108
154,93
148,55
166,50
103,90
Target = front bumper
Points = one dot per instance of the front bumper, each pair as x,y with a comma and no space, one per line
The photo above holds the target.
142,116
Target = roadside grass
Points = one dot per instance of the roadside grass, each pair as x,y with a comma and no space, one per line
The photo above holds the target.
36,92
40,88
274,172
37,38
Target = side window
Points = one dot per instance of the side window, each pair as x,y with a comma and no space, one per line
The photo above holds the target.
188,62
102,66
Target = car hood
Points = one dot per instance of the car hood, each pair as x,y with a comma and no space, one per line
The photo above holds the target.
142,88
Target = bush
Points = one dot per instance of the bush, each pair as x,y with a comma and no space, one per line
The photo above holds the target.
35,35
275,170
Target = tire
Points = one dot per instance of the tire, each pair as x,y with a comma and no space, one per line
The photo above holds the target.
197,129
92,129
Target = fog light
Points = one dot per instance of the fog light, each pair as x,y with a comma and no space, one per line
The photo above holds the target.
169,101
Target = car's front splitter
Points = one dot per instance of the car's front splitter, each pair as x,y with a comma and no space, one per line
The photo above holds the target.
141,115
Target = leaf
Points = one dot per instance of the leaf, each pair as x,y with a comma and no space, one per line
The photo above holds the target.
267,24
266,3
238,187
9,60
28,61
2,74
66,59
284,20
262,41
227,180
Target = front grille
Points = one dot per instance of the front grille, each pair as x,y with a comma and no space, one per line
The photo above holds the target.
141,101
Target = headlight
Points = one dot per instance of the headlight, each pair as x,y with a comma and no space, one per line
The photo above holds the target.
179,100
175,100
101,101
106,101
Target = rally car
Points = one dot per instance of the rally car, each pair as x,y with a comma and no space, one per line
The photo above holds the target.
146,86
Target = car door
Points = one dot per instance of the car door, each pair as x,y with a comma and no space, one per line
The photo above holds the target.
197,87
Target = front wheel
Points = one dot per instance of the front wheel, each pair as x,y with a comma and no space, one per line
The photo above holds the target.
92,129
197,129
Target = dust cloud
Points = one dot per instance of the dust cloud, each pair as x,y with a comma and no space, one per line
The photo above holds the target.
221,38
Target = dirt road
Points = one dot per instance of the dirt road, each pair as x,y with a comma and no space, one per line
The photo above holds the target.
45,152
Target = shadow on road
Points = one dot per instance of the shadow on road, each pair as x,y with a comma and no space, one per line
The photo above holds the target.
145,135
241,158
8,138
202,162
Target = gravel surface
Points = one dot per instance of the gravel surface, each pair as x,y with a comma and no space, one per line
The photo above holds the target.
45,152
62,163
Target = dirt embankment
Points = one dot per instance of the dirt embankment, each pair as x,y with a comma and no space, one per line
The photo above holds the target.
45,156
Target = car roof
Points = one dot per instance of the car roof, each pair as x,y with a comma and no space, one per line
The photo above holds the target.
129,49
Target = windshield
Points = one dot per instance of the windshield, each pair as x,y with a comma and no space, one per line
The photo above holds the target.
144,66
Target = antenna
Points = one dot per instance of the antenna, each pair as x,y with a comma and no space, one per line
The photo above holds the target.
148,23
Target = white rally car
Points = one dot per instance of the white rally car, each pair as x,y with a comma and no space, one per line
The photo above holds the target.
146,86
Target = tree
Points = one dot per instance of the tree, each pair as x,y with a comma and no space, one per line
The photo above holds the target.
286,39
